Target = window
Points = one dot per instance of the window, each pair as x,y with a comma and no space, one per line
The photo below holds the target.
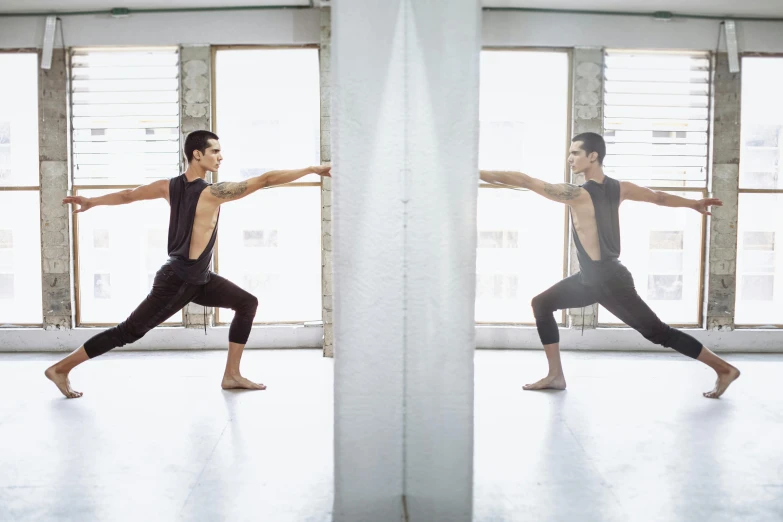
759,298
656,121
666,259
270,242
120,250
656,118
662,247
125,118
20,216
125,106
524,127
757,279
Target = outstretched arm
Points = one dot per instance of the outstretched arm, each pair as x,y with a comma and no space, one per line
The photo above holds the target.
560,192
634,192
155,190
233,190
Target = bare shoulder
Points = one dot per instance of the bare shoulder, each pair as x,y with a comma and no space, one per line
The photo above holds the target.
565,192
632,192
155,190
227,190
162,186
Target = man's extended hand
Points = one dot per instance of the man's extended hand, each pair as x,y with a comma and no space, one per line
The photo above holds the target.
84,203
323,170
703,205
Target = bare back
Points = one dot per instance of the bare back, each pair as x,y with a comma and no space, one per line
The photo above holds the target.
583,216
204,224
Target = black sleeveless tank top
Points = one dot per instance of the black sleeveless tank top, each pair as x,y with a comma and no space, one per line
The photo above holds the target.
606,201
183,196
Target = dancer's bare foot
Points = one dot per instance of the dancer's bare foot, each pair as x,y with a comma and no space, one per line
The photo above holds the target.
724,379
550,382
238,382
62,382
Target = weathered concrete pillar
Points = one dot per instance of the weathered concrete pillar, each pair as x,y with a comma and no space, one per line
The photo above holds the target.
53,155
588,116
326,185
722,280
195,114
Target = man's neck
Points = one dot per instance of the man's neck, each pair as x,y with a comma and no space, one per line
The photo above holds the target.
194,172
596,174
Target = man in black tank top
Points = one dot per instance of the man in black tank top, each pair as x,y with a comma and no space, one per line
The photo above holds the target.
185,277
594,209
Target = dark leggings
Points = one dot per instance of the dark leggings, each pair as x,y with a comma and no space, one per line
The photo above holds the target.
618,295
170,294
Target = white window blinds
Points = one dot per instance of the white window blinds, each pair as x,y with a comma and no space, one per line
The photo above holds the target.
125,115
656,117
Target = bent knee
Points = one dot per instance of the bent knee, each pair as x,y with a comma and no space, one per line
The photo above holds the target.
660,335
541,305
128,334
248,305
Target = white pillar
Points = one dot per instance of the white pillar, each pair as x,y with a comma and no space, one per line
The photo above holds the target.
405,79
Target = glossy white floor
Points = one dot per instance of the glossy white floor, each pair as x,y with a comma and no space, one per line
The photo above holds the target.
154,438
632,439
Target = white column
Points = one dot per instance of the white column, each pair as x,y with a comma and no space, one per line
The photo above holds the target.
405,162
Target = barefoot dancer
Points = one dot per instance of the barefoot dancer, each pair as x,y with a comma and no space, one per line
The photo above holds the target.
603,279
185,277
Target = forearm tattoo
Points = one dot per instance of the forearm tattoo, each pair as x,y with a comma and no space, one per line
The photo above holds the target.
562,191
228,189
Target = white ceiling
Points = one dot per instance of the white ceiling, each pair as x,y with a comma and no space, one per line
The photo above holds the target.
763,8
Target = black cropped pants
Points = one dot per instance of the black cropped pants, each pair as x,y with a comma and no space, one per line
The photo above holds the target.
170,294
618,295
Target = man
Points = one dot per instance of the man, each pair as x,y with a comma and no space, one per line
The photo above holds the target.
185,277
603,279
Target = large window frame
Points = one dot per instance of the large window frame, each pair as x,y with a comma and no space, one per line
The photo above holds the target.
687,187
562,320
740,191
30,188
699,320
215,177
76,266
76,187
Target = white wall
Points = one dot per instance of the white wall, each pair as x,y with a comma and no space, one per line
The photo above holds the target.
627,339
368,133
404,214
441,178
267,27
301,26
163,338
570,30
289,336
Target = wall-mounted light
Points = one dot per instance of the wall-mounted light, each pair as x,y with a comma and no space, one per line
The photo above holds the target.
48,42
731,45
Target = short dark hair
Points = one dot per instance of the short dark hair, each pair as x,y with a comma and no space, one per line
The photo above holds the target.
198,140
592,142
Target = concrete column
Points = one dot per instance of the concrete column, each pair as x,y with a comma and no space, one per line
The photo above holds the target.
406,177
326,186
195,114
53,155
722,280
588,116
